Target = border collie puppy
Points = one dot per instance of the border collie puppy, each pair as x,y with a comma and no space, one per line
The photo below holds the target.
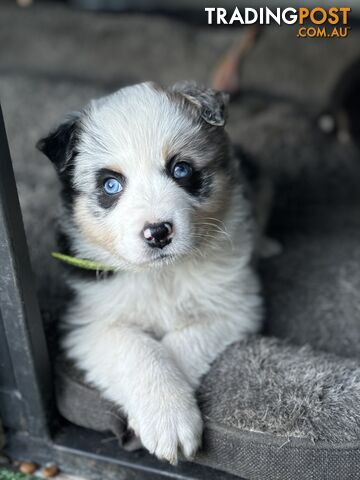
152,189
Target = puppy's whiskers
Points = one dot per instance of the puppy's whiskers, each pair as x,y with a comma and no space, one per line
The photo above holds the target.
212,231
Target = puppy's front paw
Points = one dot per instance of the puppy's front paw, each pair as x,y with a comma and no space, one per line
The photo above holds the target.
166,428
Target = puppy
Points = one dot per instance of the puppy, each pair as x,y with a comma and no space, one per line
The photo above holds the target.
151,188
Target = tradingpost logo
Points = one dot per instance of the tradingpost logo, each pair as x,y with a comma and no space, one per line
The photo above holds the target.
318,22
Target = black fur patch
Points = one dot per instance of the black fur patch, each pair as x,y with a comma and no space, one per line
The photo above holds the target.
68,191
105,200
198,184
60,145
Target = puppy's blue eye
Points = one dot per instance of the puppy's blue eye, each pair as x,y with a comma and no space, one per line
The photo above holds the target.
182,170
112,186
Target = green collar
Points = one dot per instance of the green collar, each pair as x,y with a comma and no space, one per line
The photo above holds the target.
82,262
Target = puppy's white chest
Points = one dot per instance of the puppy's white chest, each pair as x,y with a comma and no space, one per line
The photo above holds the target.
159,301
152,302
167,299
156,302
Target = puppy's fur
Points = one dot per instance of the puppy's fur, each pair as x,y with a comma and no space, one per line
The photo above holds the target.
147,334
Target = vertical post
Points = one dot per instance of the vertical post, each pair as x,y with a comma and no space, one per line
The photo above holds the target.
19,309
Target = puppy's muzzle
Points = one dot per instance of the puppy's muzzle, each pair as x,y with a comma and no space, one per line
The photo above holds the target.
158,235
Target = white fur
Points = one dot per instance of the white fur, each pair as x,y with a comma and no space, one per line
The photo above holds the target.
146,336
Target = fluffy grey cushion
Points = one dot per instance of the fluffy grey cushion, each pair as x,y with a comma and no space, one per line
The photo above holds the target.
274,407
270,386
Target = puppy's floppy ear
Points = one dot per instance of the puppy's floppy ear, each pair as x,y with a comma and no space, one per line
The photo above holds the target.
211,103
59,145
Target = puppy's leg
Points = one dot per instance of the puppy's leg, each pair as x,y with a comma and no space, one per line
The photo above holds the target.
196,346
138,373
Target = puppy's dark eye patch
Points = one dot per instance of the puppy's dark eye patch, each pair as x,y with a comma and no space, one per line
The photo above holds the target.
109,187
195,181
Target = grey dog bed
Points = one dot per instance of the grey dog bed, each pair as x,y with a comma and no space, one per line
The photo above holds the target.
278,406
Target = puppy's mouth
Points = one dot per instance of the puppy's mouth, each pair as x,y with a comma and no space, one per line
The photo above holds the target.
162,258
158,258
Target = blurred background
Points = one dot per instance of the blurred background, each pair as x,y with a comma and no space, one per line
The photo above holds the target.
294,110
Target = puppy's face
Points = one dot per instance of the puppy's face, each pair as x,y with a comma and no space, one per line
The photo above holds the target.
146,174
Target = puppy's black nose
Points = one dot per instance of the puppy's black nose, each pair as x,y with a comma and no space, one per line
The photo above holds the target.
158,235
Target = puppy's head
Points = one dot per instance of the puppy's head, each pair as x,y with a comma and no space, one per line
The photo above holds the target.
146,173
